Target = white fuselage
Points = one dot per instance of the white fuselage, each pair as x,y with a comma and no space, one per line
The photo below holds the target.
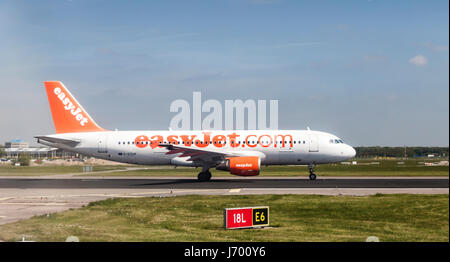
274,147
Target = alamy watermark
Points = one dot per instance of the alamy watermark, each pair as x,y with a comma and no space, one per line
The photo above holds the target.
232,116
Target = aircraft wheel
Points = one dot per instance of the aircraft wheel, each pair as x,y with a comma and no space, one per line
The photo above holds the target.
204,176
312,176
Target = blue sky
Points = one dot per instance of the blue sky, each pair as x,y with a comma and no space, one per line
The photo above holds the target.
372,72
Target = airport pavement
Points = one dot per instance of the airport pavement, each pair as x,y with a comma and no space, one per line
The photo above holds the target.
25,197
221,183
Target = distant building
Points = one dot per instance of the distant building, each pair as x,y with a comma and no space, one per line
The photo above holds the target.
17,147
34,152
17,143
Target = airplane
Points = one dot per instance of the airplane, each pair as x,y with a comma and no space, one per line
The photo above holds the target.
240,152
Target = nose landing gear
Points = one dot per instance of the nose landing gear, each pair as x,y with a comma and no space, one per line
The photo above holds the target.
312,176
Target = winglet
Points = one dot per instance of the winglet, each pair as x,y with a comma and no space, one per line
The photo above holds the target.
68,115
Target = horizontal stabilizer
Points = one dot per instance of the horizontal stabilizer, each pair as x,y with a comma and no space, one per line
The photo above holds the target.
68,142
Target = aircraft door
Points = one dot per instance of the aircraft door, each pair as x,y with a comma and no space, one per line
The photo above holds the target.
102,144
313,142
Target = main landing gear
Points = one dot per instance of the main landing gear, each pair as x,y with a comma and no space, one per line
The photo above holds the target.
204,176
312,176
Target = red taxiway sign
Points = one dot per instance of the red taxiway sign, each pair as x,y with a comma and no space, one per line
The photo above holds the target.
246,217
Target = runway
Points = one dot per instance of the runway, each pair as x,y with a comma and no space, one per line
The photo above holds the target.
183,183
24,197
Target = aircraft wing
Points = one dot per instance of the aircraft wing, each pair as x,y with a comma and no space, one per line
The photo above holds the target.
64,141
202,156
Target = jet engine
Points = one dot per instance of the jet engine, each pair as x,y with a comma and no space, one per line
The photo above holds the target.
241,166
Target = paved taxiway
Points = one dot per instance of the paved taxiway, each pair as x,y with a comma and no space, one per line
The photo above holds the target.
24,197
218,183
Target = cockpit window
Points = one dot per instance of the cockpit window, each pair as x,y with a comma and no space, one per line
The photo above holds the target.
336,141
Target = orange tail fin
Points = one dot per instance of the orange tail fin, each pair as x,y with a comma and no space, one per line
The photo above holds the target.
68,115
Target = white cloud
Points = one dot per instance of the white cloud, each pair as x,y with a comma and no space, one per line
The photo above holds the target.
435,47
419,60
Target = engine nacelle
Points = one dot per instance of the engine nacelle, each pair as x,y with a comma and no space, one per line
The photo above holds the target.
241,166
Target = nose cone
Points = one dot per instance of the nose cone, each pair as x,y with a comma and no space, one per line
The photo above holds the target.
353,152
346,152
350,152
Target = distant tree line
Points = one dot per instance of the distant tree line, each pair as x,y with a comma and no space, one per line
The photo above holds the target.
24,159
2,152
378,151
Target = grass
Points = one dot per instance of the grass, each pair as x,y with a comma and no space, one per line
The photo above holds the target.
365,167
10,170
200,218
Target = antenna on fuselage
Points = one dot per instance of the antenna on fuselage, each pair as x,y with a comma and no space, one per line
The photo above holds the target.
307,128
